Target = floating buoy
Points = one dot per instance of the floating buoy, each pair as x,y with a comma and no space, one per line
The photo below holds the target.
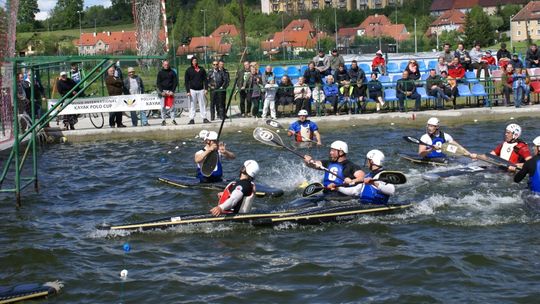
63,139
163,160
511,118
123,273
183,143
391,123
239,131
476,120
177,147
169,152
126,247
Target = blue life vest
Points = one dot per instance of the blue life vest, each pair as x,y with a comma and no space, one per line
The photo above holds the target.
216,175
336,168
371,195
534,181
437,141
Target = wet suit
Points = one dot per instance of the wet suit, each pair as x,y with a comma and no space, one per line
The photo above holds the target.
531,167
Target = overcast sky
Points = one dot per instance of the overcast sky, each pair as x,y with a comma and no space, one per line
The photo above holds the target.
46,5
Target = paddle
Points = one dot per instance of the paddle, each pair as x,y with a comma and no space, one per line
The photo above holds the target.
312,189
457,149
211,160
417,141
277,125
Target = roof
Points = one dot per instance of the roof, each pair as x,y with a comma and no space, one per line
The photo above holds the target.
444,5
396,31
199,43
488,3
441,5
299,25
225,30
375,19
295,39
464,4
116,41
450,17
347,31
530,11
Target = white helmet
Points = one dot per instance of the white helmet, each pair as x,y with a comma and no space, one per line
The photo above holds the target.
536,141
212,135
340,146
203,134
303,113
515,129
434,121
251,167
376,157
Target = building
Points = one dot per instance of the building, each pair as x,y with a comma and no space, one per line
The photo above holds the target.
299,6
217,44
452,20
298,36
526,23
109,42
373,26
489,6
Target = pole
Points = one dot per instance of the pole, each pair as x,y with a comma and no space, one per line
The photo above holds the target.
335,25
397,34
282,36
80,33
204,29
511,34
415,40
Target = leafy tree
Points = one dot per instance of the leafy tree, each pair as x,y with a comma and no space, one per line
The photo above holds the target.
505,14
120,10
64,14
26,17
478,27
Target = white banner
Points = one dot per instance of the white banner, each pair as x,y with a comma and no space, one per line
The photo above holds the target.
120,103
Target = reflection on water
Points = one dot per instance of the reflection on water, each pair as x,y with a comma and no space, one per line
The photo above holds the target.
466,236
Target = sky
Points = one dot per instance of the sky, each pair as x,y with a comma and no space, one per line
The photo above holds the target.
47,5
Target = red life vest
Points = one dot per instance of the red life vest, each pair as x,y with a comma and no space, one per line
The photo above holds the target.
515,152
243,205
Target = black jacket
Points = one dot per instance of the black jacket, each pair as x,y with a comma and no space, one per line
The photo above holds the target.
64,86
218,79
194,80
312,77
166,80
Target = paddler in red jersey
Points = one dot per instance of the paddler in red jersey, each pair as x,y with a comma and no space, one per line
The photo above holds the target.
238,195
513,149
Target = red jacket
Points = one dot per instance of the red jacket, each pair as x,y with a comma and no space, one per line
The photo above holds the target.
456,71
377,61
489,59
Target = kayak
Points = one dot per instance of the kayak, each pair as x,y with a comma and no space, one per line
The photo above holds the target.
468,170
168,222
412,157
336,213
15,293
192,182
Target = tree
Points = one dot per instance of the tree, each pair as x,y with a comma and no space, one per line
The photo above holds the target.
478,28
26,17
64,14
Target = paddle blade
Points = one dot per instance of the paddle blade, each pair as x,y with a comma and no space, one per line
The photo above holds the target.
274,124
268,137
413,140
312,189
455,149
209,163
392,177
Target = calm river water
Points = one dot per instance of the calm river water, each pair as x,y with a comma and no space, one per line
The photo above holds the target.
468,239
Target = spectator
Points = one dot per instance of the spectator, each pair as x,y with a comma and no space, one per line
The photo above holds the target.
360,94
516,62
212,75
533,57
356,73
406,88
242,76
435,87
520,86
347,96
23,102
375,89
413,70
39,93
196,83
489,60
218,81
463,57
378,65
450,87
477,63
76,74
270,89
456,70
64,85
166,83
331,93
268,73
503,55
254,91
312,76
341,75
335,60
442,65
115,87
133,85
507,81
302,94
318,97
447,54
285,92
322,63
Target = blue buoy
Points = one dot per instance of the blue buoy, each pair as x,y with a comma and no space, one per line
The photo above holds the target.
163,159
127,247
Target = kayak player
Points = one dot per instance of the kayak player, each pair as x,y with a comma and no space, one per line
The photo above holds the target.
531,167
304,129
238,195
339,165
211,144
434,136
370,191
513,149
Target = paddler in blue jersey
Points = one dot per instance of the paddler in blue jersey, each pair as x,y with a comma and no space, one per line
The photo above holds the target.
531,167
434,136
370,191
345,171
238,195
211,144
304,130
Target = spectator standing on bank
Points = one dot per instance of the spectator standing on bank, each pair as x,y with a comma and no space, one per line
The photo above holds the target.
39,93
270,89
133,85
322,63
243,75
533,57
64,85
335,60
477,63
254,89
75,73
268,73
447,54
166,83
378,65
285,92
196,85
115,87
218,81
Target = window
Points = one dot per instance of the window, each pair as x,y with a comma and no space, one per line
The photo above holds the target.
519,33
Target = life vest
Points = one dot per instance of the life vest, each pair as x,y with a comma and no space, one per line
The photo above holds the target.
328,179
217,173
437,141
243,206
370,194
534,181
510,151
305,133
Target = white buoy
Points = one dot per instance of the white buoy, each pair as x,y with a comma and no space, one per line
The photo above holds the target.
124,273
183,143
476,120
239,131
511,118
169,152
177,147
354,125
277,131
391,123
63,139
